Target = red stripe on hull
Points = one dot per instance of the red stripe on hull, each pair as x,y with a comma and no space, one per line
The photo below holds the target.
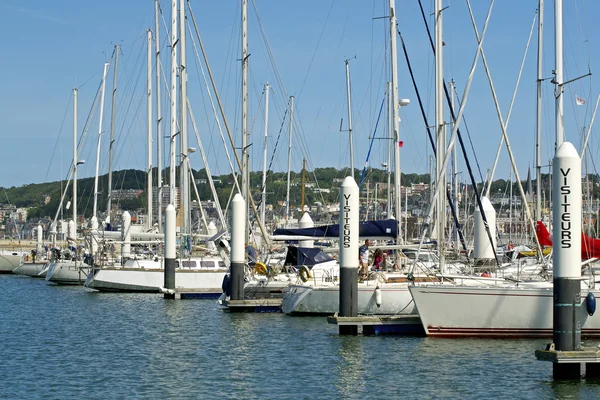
501,333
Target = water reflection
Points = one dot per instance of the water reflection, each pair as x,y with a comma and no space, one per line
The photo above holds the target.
350,377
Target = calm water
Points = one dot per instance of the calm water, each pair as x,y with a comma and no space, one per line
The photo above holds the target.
63,342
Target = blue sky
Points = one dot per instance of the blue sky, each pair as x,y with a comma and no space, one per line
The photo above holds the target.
50,47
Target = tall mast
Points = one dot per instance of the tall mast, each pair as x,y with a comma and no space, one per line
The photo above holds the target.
95,209
159,133
441,132
389,149
75,159
558,79
287,198
245,173
395,121
454,174
173,145
349,119
149,173
184,162
538,123
112,133
304,183
264,177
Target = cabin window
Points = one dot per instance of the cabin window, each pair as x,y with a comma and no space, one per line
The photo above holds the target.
189,264
207,264
222,264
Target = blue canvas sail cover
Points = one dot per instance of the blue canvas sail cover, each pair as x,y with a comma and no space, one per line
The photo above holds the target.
305,256
367,229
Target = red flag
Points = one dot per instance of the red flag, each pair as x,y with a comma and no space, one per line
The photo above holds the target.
400,143
579,101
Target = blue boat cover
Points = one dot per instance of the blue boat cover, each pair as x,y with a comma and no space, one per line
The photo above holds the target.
305,256
380,228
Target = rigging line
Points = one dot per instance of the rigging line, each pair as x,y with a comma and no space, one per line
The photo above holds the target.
510,107
59,134
456,130
233,170
237,158
431,141
362,177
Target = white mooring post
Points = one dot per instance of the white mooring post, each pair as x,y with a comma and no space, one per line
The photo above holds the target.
170,232
238,235
349,238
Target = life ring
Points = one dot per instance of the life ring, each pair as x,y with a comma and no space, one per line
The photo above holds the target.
260,268
511,246
305,274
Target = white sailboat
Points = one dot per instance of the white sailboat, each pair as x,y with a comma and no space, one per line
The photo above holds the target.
518,310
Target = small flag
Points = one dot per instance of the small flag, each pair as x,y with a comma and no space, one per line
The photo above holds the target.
579,101
400,143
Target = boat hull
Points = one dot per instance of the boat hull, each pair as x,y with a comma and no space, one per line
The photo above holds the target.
66,272
30,269
492,312
325,300
8,262
142,280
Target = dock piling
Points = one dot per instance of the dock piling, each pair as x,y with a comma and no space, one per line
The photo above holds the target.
170,253
349,238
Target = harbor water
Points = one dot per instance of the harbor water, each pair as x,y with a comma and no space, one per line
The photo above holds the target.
66,342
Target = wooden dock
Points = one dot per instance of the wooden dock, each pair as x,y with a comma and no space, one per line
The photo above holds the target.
409,325
590,356
253,305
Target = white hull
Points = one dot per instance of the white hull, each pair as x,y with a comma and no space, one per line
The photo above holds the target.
149,276
30,269
459,311
8,262
325,300
65,272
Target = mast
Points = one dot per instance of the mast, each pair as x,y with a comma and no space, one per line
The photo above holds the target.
538,122
159,133
558,78
349,119
245,172
149,173
389,150
454,175
264,177
287,205
173,191
95,209
441,133
303,183
395,122
184,175
75,159
112,133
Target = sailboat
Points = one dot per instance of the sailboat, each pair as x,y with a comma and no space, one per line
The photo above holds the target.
201,274
510,310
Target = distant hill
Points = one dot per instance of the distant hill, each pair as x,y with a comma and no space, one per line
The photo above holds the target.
43,199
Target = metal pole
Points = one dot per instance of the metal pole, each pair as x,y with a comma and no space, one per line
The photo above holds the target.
349,238
395,122
454,176
350,118
112,133
538,122
159,131
172,187
245,171
149,172
95,208
287,205
75,159
441,133
389,149
558,70
184,175
264,177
